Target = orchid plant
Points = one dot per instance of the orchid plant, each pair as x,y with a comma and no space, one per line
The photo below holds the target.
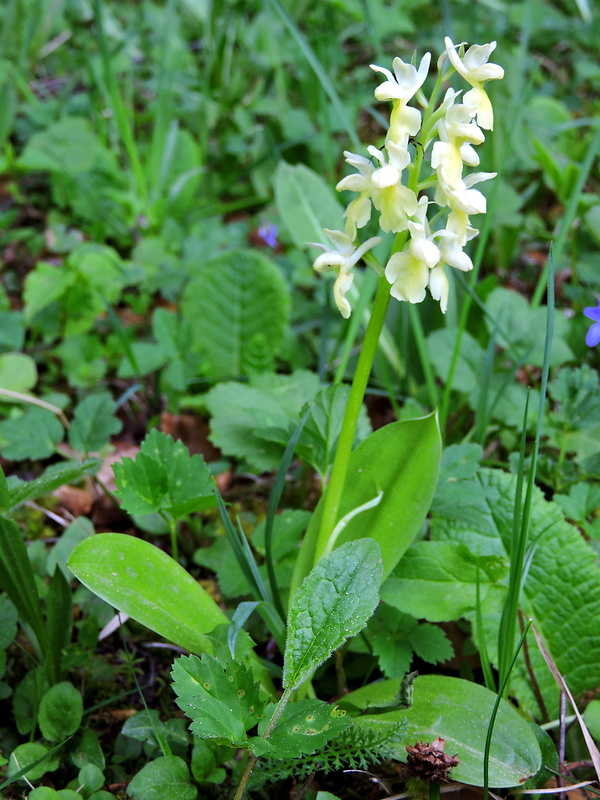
429,210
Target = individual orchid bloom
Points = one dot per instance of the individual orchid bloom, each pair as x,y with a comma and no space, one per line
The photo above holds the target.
453,238
401,87
476,70
408,271
439,287
341,260
391,198
358,212
457,135
463,197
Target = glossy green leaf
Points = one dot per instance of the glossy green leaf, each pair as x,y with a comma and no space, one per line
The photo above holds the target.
142,581
459,712
223,703
164,477
165,778
401,461
334,602
438,580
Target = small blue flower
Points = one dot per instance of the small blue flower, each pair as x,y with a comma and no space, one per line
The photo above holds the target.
268,233
593,335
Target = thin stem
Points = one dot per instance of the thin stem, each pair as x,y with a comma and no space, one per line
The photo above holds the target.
357,392
283,701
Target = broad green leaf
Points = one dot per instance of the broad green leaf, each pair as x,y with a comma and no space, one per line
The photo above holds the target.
146,726
222,702
18,372
90,779
306,203
561,593
30,753
54,476
33,435
438,580
459,712
401,461
165,778
164,477
519,327
321,432
12,331
267,402
469,365
69,145
44,285
61,711
17,579
304,727
93,424
238,308
334,602
142,581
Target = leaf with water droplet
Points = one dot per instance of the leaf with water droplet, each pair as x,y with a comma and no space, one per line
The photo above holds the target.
334,602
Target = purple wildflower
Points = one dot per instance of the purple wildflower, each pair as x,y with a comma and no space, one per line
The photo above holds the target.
268,233
593,335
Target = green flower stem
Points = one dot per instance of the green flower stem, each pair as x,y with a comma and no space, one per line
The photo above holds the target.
339,470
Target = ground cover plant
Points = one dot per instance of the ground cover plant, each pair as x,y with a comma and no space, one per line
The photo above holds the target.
266,534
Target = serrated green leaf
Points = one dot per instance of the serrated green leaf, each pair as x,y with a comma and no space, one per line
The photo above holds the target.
94,422
459,712
334,602
268,402
165,778
431,643
304,727
54,476
141,580
306,203
437,581
238,308
33,435
222,703
164,477
561,593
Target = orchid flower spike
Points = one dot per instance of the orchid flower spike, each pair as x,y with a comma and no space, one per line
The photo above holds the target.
475,69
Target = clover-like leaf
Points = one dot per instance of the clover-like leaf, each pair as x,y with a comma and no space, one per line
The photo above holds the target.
333,603
222,702
164,477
